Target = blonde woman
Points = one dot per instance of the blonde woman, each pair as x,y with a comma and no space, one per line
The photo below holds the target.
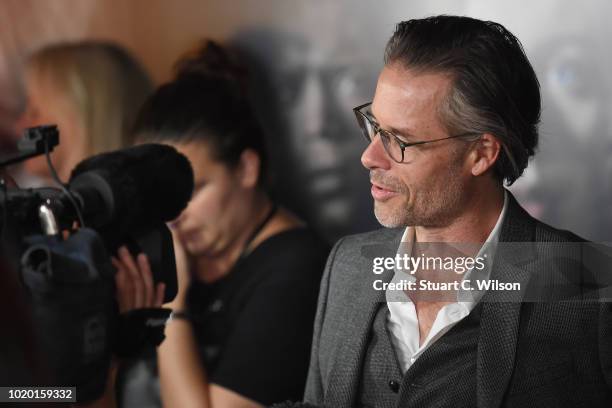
92,91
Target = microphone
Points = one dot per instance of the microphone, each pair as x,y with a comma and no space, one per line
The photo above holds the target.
133,187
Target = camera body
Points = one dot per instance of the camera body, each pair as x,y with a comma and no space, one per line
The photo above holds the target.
60,240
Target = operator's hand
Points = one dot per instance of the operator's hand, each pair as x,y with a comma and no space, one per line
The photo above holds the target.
134,281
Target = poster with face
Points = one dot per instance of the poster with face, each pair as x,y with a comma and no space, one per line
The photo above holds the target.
305,98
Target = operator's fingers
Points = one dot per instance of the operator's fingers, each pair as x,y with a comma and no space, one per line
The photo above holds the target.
123,285
159,294
147,279
134,276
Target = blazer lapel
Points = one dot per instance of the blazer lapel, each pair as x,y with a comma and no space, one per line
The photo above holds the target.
501,310
354,334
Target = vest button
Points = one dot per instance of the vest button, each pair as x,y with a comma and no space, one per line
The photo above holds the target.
394,386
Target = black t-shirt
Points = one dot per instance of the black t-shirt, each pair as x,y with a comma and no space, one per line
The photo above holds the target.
254,326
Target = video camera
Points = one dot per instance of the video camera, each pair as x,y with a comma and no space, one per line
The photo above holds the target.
60,241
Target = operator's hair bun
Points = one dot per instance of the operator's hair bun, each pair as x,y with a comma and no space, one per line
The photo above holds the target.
211,60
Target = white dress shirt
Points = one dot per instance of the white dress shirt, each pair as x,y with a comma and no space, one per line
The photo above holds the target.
402,321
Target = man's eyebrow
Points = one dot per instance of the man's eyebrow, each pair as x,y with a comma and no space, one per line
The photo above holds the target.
403,133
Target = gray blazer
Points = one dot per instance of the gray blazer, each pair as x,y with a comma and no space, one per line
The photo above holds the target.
529,354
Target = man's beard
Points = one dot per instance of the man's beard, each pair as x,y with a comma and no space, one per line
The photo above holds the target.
434,206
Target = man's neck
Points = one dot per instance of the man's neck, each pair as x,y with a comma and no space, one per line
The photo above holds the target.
472,225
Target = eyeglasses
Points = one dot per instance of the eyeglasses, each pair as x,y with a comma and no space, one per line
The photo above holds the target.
394,146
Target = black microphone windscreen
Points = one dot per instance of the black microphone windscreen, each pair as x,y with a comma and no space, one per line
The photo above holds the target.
150,183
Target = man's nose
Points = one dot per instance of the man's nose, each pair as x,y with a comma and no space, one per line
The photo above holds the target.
375,156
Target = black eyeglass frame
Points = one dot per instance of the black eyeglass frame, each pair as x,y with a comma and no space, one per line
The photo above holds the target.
403,145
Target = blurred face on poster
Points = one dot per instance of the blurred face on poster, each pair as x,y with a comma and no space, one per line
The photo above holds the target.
305,97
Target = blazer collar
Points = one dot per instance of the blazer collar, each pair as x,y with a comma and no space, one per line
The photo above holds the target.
354,334
500,317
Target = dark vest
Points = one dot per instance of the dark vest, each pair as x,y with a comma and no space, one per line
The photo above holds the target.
444,375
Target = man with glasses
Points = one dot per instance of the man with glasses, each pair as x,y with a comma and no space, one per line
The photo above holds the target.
454,117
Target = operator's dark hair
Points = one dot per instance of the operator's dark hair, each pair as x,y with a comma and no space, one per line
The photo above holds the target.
206,102
494,87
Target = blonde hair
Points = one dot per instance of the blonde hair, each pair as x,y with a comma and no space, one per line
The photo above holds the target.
102,82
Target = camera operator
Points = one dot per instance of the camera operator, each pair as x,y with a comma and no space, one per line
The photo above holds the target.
242,324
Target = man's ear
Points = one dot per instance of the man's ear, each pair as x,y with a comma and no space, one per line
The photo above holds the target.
485,153
249,168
